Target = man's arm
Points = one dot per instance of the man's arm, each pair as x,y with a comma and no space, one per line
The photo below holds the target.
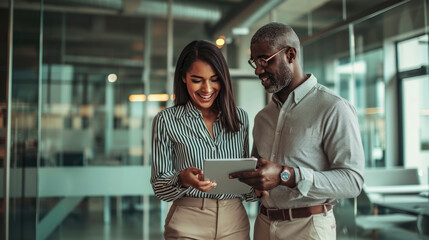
343,147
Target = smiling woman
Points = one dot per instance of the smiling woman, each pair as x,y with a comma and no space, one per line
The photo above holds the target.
204,124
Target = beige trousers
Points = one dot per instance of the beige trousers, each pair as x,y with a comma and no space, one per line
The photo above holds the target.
198,218
318,226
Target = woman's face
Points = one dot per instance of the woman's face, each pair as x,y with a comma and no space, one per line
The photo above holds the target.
203,85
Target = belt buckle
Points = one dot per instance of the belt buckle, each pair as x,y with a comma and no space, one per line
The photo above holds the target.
270,210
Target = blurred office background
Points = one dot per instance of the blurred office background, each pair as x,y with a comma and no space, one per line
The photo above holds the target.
81,80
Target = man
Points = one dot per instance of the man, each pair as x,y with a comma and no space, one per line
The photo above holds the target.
307,142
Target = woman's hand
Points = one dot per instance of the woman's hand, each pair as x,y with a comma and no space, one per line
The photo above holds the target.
194,177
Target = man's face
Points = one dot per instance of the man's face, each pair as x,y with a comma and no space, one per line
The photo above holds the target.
277,74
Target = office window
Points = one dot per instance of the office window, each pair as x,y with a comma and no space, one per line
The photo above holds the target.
411,53
414,85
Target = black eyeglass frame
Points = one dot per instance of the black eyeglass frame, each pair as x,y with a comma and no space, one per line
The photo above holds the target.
264,61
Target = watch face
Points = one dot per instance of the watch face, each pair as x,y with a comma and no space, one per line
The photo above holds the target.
285,175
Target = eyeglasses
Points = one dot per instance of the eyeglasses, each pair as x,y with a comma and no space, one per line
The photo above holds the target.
263,62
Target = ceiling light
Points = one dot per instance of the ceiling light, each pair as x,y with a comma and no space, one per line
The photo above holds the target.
112,77
220,41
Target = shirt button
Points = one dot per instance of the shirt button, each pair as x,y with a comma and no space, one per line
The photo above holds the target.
214,148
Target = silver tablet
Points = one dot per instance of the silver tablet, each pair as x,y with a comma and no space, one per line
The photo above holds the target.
218,170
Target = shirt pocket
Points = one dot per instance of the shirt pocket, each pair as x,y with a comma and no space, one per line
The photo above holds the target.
302,138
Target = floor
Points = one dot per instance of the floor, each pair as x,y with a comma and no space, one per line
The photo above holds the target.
129,224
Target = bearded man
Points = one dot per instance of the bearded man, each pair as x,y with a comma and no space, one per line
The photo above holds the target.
307,141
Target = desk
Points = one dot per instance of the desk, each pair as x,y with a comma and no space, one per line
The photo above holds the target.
414,208
397,189
420,208
405,199
397,193
392,199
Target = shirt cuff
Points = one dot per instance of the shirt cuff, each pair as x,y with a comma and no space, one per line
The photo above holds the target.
297,175
251,196
174,180
304,180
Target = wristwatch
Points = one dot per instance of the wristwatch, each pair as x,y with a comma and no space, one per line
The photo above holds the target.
285,175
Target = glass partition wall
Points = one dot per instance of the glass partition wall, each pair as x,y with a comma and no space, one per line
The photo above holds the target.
104,79
86,79
19,125
85,85
4,89
93,90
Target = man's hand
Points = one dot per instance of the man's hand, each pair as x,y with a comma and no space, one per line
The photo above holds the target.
260,194
194,177
266,176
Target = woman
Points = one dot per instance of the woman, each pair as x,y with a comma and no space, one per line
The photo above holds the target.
204,123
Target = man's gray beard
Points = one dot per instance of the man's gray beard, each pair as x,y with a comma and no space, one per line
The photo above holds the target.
286,80
275,87
271,89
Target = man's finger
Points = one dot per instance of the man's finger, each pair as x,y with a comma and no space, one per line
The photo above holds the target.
244,174
261,162
254,182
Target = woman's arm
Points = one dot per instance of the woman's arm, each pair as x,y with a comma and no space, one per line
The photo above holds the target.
165,179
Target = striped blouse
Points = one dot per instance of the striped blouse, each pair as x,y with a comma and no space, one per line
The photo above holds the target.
180,139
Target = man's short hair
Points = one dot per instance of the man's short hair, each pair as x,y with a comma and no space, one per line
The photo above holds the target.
277,35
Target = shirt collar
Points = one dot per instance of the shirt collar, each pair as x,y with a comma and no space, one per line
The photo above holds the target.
188,110
304,88
299,93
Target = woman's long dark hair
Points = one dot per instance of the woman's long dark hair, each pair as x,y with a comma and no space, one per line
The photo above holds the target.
208,52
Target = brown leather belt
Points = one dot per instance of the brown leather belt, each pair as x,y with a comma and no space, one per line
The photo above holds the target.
283,214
